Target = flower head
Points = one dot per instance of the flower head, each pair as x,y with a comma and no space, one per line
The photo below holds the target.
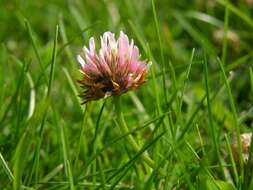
113,70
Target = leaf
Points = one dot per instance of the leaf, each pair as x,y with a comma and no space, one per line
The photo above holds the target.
225,185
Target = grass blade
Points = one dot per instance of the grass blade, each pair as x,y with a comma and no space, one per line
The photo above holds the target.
19,161
6,168
210,117
161,49
232,159
234,113
28,27
225,37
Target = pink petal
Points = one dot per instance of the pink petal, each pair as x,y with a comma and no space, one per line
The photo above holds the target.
123,45
135,54
103,65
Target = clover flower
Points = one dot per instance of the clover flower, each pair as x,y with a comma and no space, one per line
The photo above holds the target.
114,70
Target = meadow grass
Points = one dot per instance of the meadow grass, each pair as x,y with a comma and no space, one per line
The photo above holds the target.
178,131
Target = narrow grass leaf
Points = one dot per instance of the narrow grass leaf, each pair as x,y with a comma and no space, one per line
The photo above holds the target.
235,120
210,117
101,172
35,48
51,76
52,174
225,33
248,170
186,78
70,176
6,168
19,161
235,172
161,49
35,167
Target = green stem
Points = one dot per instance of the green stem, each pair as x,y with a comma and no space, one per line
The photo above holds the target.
124,129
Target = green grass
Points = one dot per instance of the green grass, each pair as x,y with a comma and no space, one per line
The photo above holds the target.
176,132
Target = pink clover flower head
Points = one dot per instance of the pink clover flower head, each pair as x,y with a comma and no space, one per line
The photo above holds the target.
115,69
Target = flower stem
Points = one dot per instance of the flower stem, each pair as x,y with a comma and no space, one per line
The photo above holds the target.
124,129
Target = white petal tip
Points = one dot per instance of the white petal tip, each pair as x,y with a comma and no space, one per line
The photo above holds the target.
80,60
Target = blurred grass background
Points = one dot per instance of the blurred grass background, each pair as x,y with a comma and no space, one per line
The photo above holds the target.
49,141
